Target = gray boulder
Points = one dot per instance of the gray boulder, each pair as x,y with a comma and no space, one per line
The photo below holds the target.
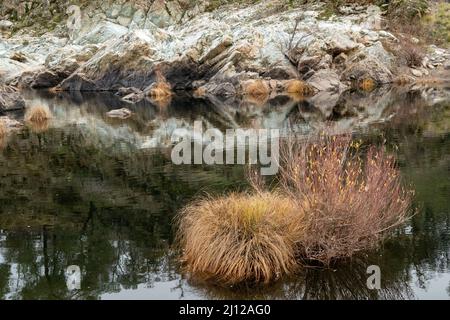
10,99
5,24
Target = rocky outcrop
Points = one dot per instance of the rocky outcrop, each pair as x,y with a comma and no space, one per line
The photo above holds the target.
249,43
135,44
326,80
367,69
122,113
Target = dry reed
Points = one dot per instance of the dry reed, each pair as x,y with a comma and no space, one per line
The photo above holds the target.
367,84
349,201
256,90
332,201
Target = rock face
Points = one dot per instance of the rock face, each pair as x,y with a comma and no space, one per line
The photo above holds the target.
137,43
326,80
368,69
10,99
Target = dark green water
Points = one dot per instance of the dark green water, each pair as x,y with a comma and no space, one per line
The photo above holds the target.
101,194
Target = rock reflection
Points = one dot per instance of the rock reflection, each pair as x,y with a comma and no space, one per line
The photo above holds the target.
153,124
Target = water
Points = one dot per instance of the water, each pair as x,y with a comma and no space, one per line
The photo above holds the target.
101,194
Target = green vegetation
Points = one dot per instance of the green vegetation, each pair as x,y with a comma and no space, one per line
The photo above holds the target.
438,22
426,20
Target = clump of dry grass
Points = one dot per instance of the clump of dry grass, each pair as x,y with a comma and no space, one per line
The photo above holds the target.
55,90
412,53
239,237
38,118
258,101
367,84
349,201
332,201
407,52
162,103
38,113
298,87
161,90
403,79
257,90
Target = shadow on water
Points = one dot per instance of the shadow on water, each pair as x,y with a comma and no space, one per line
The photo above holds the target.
101,193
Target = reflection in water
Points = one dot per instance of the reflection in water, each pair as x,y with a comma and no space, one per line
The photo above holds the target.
101,193
345,281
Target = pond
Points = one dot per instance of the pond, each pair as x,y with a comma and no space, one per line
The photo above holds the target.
101,194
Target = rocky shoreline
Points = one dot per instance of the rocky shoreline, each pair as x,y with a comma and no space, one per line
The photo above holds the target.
262,50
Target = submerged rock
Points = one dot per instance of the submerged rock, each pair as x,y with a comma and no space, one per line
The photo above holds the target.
416,72
122,92
119,113
10,99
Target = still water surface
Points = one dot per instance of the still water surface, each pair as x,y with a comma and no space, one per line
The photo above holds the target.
101,193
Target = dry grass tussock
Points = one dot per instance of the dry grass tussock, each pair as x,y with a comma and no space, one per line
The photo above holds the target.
239,237
407,52
38,113
161,90
332,201
367,84
298,87
258,101
38,118
256,89
200,92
